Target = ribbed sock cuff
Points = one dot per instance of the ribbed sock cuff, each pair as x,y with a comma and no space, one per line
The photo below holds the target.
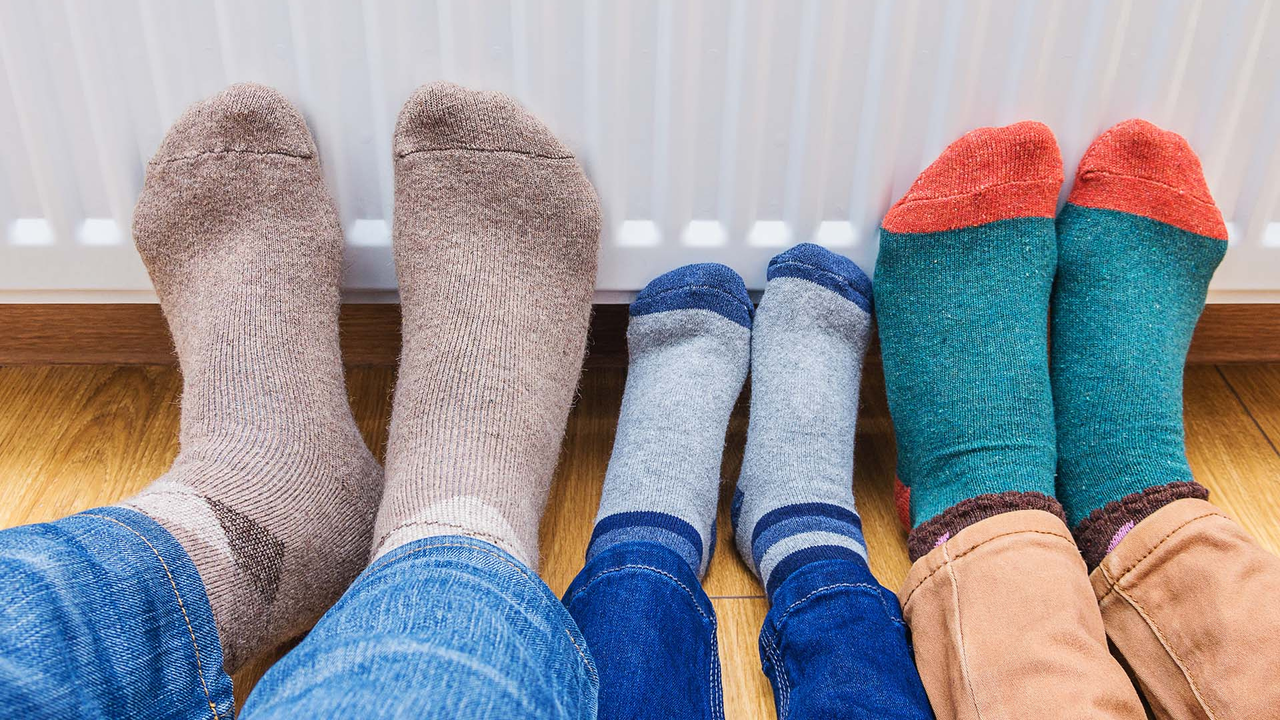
1104,528
933,532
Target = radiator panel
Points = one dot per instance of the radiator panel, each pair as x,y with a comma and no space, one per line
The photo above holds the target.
718,130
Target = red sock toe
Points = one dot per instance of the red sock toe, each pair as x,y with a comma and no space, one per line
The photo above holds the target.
989,174
1136,167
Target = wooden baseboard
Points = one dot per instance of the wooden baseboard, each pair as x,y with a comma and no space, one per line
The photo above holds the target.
135,334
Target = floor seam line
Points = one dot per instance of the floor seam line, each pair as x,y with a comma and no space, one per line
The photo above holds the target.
1247,411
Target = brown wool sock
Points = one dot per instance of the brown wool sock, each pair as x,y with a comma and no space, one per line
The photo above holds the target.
273,493
496,232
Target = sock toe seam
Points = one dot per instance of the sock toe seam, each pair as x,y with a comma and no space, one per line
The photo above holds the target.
737,300
1087,175
230,151
844,279
905,203
498,151
875,591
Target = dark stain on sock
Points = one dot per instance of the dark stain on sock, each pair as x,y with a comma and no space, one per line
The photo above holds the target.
258,553
1099,533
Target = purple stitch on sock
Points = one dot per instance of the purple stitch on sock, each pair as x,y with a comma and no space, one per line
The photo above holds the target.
1115,539
945,537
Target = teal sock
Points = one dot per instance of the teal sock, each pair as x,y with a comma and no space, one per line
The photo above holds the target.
962,289
1138,242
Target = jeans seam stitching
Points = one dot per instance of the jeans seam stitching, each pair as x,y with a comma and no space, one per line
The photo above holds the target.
783,679
838,586
717,709
195,646
575,645
665,574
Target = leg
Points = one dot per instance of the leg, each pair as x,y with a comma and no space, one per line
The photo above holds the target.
105,615
273,492
639,601
1191,602
833,644
442,627
267,512
496,231
998,599
496,234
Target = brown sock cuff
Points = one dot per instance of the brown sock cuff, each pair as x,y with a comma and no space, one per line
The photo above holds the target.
931,533
1096,534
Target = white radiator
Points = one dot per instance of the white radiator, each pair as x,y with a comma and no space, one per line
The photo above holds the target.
715,130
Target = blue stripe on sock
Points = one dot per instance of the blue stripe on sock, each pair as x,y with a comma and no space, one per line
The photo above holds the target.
648,526
704,286
819,509
819,265
649,534
800,558
807,523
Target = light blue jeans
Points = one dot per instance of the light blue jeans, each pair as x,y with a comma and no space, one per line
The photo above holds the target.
103,615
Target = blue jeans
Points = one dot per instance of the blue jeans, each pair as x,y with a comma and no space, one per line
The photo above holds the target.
103,615
833,645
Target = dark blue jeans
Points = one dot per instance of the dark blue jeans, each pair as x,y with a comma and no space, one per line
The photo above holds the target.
833,645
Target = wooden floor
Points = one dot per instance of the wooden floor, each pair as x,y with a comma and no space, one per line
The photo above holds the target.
74,437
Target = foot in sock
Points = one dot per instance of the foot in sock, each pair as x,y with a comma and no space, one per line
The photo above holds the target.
495,235
273,492
794,501
1138,242
690,342
962,287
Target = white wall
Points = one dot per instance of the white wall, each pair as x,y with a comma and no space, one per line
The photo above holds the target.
715,129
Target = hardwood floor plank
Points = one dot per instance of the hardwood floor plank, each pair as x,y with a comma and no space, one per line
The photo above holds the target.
91,437
1258,388
1231,456
79,436
747,695
369,389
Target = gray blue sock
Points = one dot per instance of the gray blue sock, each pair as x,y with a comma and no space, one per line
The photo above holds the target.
690,341
794,502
